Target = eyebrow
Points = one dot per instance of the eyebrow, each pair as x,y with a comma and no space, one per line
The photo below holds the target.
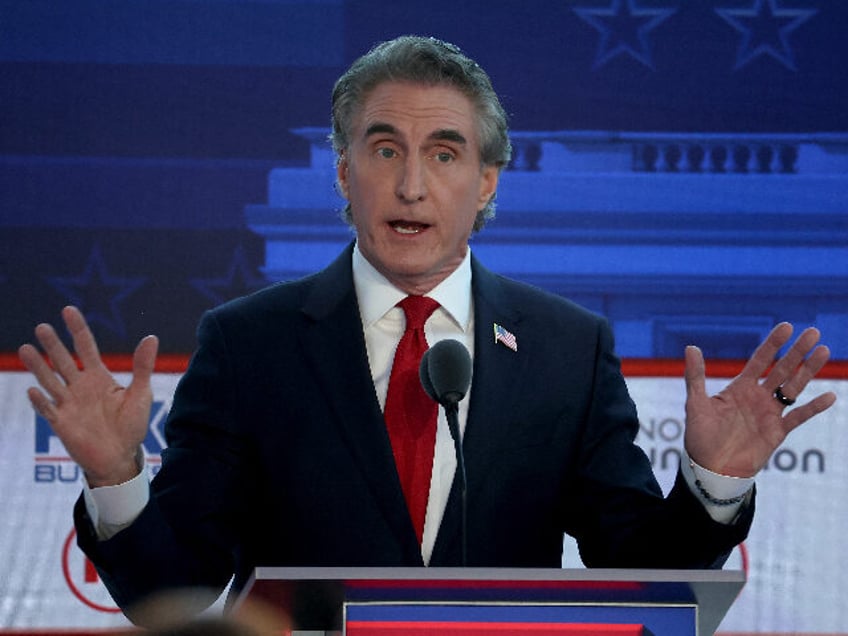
380,129
448,134
443,134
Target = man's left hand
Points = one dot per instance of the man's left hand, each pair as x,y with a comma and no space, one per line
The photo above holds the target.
736,431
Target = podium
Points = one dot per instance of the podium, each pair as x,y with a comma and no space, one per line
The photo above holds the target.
505,602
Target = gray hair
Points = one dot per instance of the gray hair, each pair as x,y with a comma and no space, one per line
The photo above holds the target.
426,61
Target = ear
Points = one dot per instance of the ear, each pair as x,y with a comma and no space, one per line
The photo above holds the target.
342,174
488,185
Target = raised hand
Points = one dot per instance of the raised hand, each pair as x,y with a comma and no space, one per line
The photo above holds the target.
100,422
736,431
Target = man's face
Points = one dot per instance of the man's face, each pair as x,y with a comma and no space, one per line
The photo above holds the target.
414,180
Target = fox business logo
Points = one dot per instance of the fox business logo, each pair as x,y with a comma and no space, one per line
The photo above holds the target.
52,464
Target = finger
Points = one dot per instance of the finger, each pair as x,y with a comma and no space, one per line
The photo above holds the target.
84,343
763,356
46,377
42,404
144,362
787,365
805,372
801,414
695,373
61,359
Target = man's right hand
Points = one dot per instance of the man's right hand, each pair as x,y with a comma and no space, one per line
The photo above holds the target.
101,423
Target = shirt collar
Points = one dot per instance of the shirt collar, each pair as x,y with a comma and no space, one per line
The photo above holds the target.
376,295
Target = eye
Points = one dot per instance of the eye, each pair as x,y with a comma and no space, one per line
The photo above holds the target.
444,157
386,153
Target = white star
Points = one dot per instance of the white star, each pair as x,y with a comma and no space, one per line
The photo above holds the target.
97,292
624,30
765,30
238,281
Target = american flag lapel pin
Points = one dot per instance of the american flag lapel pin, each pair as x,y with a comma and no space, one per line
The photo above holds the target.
504,336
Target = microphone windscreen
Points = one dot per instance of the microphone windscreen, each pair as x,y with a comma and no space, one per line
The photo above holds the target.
449,365
424,374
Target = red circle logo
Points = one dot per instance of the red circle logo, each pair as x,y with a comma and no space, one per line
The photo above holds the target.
82,579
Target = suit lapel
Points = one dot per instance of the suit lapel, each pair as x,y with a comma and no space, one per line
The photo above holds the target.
494,392
497,368
334,343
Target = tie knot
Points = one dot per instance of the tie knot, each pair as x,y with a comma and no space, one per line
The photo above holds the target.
417,309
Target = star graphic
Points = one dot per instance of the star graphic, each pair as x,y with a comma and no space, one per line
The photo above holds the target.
238,281
765,30
624,29
97,293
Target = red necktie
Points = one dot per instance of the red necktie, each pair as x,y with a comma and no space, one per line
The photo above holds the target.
410,413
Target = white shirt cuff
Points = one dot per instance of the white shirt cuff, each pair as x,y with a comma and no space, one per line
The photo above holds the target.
721,495
113,508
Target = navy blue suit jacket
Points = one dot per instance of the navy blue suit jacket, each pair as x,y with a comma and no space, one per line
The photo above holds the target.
278,453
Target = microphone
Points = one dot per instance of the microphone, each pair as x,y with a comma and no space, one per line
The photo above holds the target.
445,374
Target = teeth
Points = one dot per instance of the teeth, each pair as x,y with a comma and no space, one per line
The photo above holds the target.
407,228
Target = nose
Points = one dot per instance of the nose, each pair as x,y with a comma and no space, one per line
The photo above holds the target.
412,182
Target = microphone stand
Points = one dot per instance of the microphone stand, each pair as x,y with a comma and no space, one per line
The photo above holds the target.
447,386
452,414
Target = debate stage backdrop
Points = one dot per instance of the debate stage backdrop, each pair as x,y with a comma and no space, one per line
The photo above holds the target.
680,167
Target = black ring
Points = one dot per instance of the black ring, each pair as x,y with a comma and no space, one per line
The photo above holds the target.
785,401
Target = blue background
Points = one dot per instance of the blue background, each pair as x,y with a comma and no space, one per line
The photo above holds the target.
681,166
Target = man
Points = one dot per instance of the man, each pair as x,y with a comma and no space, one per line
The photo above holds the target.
280,454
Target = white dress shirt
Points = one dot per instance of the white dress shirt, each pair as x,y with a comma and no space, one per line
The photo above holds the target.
383,324
113,508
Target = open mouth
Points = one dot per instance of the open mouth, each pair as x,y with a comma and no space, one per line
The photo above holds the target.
408,227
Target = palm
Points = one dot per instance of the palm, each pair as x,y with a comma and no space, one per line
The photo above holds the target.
100,422
736,431
97,408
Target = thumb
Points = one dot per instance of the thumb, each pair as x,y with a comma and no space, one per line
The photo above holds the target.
144,361
695,373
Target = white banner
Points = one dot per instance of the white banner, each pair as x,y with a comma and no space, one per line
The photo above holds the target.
46,581
794,556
